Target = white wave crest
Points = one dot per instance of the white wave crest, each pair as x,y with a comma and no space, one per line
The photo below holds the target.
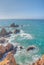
25,35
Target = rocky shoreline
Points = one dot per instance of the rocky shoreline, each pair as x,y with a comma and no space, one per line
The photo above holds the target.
7,56
7,51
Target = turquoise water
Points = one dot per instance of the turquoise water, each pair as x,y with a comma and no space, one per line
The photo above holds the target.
32,33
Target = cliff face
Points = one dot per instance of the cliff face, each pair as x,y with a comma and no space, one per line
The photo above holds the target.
9,60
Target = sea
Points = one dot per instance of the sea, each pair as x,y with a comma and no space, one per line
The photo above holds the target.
31,34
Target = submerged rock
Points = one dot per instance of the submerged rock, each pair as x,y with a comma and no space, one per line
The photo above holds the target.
30,48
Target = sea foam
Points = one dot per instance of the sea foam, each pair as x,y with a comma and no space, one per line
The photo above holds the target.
25,35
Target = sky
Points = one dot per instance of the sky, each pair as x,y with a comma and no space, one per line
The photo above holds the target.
21,9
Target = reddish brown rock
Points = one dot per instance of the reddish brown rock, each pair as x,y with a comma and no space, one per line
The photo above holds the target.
9,60
40,61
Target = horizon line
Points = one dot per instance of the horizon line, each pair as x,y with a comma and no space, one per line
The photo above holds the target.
22,18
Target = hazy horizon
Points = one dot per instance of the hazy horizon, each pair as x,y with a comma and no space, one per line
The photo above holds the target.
21,9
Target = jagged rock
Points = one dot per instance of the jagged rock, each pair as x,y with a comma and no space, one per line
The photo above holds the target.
21,47
13,25
9,60
30,48
16,31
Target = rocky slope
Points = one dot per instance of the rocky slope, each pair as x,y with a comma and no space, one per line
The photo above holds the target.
9,60
40,61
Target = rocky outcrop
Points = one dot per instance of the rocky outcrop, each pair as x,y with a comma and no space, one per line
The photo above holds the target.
9,60
40,61
8,48
4,32
16,31
14,25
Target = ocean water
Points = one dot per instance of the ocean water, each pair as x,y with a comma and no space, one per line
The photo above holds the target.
31,34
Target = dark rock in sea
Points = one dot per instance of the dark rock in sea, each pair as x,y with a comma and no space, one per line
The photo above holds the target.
30,48
14,25
16,31
21,47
